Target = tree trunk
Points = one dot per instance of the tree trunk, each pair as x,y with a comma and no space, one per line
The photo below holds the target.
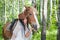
5,12
50,11
44,19
41,6
23,5
58,15
43,32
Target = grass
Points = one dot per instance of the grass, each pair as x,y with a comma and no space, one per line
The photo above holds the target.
50,35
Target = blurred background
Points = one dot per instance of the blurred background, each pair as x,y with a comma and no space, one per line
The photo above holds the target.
47,16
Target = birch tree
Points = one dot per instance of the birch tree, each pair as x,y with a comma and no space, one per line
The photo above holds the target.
23,3
41,6
50,11
44,19
58,15
5,17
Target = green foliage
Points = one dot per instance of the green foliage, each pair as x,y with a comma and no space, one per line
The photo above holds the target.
51,35
12,12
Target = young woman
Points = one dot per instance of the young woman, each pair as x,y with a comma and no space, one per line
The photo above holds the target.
20,33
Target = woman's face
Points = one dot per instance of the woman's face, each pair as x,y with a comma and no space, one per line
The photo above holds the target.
25,21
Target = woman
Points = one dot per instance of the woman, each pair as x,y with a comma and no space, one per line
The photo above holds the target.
20,33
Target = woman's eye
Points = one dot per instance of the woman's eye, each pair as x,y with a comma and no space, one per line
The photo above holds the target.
30,14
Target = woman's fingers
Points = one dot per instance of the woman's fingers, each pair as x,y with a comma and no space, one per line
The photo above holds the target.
27,34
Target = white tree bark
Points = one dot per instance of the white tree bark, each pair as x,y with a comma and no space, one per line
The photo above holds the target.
13,5
45,8
5,12
44,19
41,10
23,3
18,7
50,11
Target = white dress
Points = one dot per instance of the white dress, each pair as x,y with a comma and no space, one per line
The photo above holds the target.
19,33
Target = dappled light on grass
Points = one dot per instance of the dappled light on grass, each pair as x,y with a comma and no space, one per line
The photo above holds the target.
51,35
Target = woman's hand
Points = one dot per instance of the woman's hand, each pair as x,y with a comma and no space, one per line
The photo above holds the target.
27,34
